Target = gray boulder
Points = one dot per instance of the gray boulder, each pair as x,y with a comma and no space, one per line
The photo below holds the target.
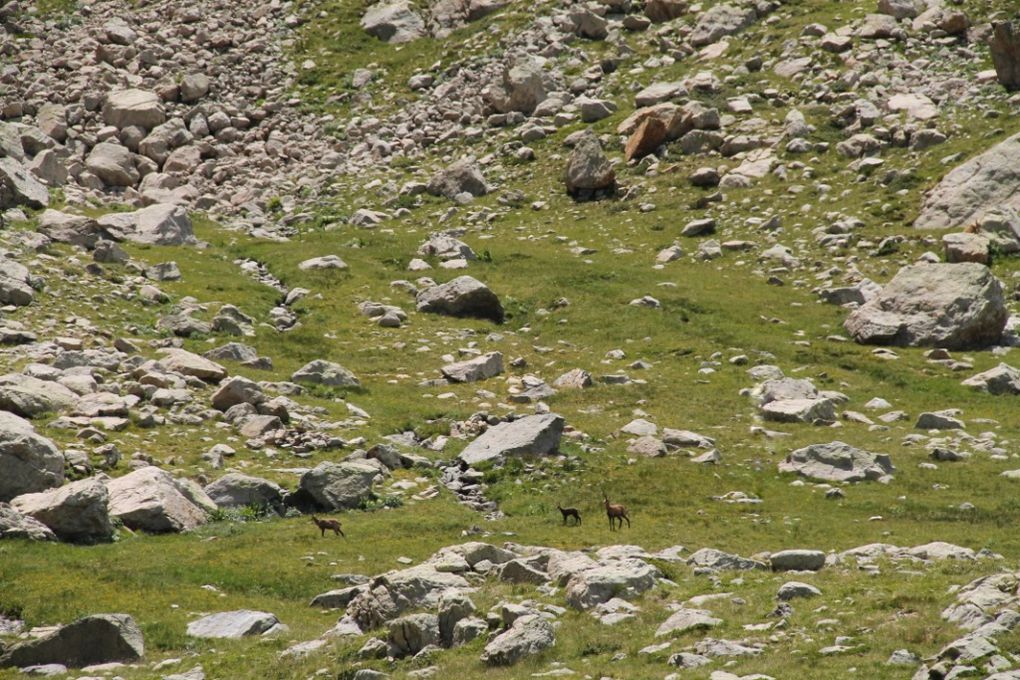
113,164
794,589
625,579
472,370
14,524
19,187
321,372
323,262
464,296
78,230
1005,49
988,180
162,224
30,462
955,306
797,560
589,172
720,21
150,499
446,247
463,176
837,462
525,84
411,634
15,283
710,558
799,411
340,486
75,512
237,390
234,625
127,108
30,397
901,9
938,420
1003,379
393,22
527,636
235,490
532,435
194,86
454,607
393,593
176,360
685,619
92,640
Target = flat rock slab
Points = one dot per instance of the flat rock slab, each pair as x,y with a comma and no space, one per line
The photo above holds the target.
683,620
531,435
234,625
837,462
472,370
97,639
528,635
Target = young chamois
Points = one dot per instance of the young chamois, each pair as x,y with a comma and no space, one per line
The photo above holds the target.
325,524
569,512
615,512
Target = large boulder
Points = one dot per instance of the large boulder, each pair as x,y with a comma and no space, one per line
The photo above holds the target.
78,230
92,640
19,187
1003,379
176,360
720,21
150,499
237,390
340,486
162,224
31,397
235,490
589,173
1005,49
988,180
75,512
321,372
797,560
532,435
686,619
625,579
140,108
234,625
472,370
29,461
528,635
113,164
411,634
14,524
464,296
524,86
837,462
15,283
395,592
393,22
955,306
461,177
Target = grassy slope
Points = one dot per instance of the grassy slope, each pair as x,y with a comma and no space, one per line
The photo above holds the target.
721,306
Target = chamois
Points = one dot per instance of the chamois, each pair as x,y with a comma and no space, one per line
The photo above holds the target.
325,524
569,512
615,512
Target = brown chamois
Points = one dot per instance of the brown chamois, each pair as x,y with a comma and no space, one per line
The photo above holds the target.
325,524
973,228
615,512
569,512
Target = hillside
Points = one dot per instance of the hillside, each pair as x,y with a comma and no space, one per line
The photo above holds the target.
317,315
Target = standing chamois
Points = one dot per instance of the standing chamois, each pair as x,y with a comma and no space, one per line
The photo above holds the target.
569,512
615,512
325,524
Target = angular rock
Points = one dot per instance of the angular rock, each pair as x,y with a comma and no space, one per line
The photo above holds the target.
19,187
234,625
794,589
393,22
1005,49
113,164
528,635
92,640
464,296
235,490
15,284
75,512
340,486
532,435
989,180
409,635
837,462
625,579
472,370
13,524
799,411
955,306
237,390
683,620
150,499
77,230
1003,379
710,558
463,176
176,360
720,21
30,397
140,108
321,372
589,172
162,224
323,262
